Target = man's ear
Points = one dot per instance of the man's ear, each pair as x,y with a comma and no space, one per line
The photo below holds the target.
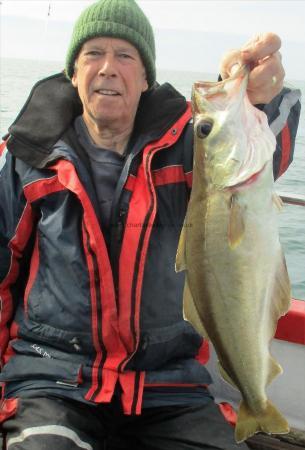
74,80
74,77
145,84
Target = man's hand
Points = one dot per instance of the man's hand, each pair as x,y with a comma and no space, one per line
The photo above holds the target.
267,74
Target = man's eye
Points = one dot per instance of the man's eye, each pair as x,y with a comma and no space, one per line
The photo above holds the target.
125,56
93,53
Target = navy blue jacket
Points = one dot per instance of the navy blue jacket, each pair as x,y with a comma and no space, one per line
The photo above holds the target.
78,319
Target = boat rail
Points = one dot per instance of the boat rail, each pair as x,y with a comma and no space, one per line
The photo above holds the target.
293,199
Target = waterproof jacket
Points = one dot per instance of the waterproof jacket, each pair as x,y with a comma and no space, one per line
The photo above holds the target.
77,318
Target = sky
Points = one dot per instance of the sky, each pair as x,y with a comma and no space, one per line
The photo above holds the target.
190,35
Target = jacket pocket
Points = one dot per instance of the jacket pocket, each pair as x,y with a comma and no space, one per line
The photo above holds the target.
160,346
22,367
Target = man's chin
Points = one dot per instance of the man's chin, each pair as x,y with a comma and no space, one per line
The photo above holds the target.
106,119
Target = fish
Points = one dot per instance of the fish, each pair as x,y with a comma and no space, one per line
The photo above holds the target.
236,280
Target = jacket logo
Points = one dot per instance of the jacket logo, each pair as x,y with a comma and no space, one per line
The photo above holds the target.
41,351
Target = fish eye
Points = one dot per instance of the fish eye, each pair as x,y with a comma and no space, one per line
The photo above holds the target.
204,128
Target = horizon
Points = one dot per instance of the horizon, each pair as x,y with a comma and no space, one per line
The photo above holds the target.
36,30
162,69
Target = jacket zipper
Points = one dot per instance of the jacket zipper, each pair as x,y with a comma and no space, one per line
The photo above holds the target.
135,332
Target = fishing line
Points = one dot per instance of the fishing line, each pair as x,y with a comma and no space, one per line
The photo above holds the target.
45,32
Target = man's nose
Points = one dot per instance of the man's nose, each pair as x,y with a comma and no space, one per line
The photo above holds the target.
108,66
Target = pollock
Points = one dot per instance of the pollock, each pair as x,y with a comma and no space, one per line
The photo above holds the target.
237,285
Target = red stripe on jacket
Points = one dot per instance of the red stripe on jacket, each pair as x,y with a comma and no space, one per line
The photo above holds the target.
143,201
16,245
2,147
94,318
139,223
129,185
163,176
168,175
116,352
286,149
9,352
34,266
40,188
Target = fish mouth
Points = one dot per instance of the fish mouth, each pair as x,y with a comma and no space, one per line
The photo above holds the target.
220,91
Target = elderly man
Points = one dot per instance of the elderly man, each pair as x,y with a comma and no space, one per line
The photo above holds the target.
93,194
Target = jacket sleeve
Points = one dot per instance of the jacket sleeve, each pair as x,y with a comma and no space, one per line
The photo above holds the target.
283,114
16,221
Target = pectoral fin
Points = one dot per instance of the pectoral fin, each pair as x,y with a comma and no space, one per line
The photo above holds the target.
236,227
274,370
282,289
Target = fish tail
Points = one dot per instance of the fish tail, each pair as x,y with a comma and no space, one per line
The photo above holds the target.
268,421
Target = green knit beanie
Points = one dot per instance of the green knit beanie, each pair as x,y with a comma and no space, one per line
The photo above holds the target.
121,19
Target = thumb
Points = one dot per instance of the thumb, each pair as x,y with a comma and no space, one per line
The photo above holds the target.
230,62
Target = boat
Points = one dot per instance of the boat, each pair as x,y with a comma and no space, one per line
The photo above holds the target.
287,391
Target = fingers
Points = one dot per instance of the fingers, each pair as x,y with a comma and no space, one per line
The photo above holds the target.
261,54
266,79
260,47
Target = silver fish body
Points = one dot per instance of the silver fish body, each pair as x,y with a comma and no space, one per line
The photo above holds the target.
237,284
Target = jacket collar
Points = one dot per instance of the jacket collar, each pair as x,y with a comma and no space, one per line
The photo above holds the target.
53,104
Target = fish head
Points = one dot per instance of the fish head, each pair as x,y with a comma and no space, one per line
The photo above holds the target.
232,138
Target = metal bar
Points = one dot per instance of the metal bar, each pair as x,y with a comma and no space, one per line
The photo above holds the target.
293,199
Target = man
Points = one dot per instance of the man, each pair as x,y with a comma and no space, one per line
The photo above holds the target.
93,194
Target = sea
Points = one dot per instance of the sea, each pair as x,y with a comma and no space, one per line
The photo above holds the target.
18,76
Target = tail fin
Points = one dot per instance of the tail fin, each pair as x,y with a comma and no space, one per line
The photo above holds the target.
269,421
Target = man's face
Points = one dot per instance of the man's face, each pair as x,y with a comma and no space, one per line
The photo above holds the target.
110,78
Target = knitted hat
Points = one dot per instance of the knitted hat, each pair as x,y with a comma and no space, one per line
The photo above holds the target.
121,19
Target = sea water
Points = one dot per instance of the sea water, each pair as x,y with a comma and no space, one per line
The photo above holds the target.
17,77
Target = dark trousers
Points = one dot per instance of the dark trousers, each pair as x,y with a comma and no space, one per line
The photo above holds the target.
61,424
